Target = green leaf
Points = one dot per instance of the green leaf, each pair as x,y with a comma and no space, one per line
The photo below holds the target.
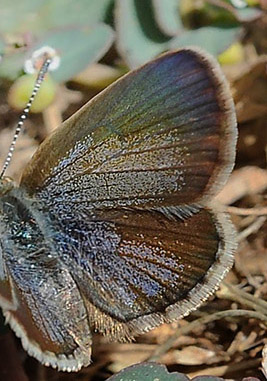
2,46
71,26
139,39
248,14
147,372
213,39
41,15
12,65
61,13
155,372
77,48
16,12
168,17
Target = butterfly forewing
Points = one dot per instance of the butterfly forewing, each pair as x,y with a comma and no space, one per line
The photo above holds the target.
162,135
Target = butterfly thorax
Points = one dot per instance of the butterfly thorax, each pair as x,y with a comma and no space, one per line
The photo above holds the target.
25,239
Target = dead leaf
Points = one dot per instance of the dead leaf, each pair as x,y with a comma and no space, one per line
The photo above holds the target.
193,355
244,181
250,91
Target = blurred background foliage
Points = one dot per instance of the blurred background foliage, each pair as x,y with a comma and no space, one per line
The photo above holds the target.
82,32
132,31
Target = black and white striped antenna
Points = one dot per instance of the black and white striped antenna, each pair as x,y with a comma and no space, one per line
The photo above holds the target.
40,77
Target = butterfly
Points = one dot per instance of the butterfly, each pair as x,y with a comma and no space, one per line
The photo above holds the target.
112,227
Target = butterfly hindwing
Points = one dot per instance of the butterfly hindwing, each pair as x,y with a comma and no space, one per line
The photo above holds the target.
144,264
38,294
49,315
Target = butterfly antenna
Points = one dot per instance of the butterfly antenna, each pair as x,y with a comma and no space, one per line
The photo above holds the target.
40,77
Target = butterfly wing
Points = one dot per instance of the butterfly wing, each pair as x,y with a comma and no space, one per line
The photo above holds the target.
45,309
162,135
139,268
